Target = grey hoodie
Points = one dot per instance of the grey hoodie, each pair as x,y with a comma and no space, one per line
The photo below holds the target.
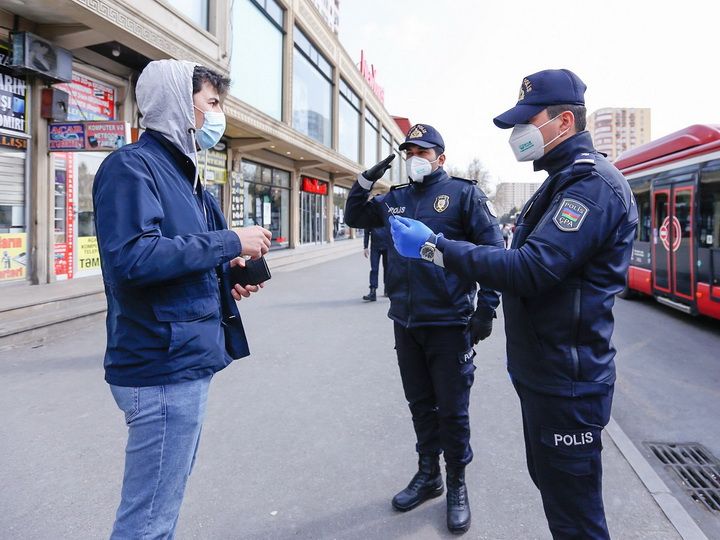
165,98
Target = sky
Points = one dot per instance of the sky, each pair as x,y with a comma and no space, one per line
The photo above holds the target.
456,64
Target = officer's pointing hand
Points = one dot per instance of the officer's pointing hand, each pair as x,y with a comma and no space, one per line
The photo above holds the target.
408,235
375,173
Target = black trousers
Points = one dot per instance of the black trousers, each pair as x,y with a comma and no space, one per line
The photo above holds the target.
375,256
437,371
563,449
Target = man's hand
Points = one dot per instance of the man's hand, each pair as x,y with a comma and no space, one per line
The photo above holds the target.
408,235
255,241
375,173
238,291
480,325
366,252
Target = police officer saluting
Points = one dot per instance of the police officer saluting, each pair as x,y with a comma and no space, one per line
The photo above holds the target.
568,259
436,323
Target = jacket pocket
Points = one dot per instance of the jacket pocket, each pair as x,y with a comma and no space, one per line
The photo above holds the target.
186,309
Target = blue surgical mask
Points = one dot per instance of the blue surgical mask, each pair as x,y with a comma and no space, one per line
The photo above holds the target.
212,129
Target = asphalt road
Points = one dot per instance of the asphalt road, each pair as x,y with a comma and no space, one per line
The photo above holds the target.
310,437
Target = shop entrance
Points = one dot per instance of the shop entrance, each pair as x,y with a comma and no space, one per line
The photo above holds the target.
313,211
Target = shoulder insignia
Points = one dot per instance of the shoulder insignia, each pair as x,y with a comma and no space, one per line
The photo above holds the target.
585,158
468,180
570,215
583,164
399,186
491,208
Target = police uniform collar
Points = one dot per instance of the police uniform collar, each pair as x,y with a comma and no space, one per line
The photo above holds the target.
564,153
432,178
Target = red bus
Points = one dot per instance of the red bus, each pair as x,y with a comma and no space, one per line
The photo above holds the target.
676,254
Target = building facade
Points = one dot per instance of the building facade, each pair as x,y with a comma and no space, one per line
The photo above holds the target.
615,130
513,195
302,120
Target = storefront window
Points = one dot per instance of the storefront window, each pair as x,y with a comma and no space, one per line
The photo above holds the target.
340,230
267,200
257,55
386,150
195,10
371,138
397,165
313,210
349,140
212,168
312,91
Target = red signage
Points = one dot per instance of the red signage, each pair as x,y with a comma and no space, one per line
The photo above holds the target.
313,185
369,74
90,99
89,136
63,137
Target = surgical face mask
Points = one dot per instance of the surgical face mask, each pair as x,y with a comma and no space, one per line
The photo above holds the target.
418,168
526,141
212,129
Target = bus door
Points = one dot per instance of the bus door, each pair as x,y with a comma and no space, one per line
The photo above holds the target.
673,250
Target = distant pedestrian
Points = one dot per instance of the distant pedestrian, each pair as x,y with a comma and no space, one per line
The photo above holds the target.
378,239
172,320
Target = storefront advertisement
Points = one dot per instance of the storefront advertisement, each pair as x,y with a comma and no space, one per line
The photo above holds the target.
17,143
13,97
105,135
64,137
237,200
90,99
88,253
87,136
13,256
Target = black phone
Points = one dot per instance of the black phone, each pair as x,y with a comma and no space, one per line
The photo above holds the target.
254,272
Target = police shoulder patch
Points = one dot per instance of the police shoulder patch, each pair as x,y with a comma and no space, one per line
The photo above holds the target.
570,215
399,186
441,203
491,208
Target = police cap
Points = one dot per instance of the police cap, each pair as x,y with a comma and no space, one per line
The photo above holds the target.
424,136
538,91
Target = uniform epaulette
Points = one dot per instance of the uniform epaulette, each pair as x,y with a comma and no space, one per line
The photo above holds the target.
583,164
474,182
399,186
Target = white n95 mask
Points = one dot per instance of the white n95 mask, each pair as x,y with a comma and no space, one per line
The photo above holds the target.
526,141
418,168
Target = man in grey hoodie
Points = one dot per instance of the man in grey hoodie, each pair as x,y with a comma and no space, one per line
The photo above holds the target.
172,319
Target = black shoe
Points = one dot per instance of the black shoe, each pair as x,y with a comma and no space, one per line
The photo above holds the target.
371,296
426,484
458,505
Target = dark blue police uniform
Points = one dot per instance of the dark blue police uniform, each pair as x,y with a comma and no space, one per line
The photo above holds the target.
568,260
378,240
431,307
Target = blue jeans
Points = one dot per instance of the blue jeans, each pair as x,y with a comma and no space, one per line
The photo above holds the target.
164,425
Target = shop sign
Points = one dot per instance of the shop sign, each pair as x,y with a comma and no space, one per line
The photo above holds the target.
13,142
88,136
88,253
313,185
369,74
104,136
13,96
64,137
216,166
13,256
90,99
237,199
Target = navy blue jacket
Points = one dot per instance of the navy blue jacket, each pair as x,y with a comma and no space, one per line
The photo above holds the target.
164,257
422,294
569,256
379,237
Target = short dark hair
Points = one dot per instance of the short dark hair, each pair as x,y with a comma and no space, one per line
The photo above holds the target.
201,75
438,151
579,111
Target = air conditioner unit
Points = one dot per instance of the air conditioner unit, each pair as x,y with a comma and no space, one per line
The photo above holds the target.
38,56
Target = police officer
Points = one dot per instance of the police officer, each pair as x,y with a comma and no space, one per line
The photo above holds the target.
377,239
436,323
568,259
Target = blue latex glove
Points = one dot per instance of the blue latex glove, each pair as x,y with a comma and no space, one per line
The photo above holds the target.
408,235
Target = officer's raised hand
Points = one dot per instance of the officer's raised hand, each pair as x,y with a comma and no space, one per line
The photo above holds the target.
367,178
480,325
409,235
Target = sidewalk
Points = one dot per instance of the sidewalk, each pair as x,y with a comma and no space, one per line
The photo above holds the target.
308,438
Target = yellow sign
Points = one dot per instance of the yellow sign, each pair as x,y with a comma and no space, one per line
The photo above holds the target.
88,253
13,256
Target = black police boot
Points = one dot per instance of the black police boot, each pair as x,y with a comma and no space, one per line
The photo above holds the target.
371,296
458,506
426,484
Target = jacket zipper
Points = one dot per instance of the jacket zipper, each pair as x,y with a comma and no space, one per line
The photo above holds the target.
409,266
574,334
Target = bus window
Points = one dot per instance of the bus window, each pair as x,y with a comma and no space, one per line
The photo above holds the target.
644,216
710,210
